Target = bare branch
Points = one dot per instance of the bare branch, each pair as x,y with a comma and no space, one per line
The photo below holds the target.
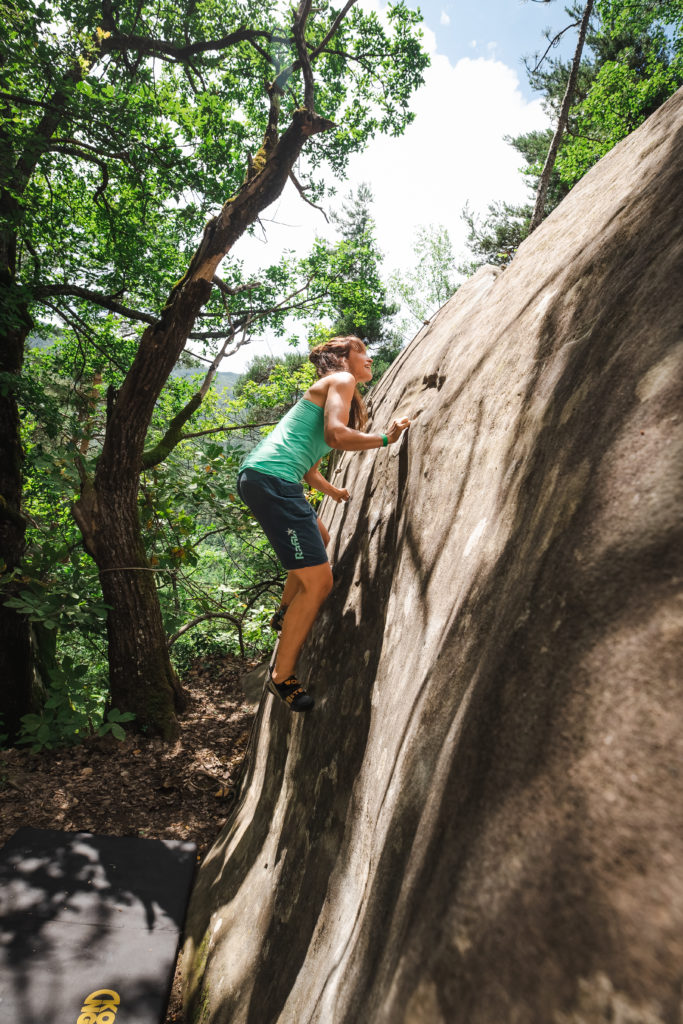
195,355
302,192
212,335
68,316
292,295
581,135
172,437
298,30
76,143
226,289
225,430
211,372
25,100
43,292
211,533
554,42
205,618
333,28
162,449
36,258
146,45
105,301
38,141
305,59
264,53
84,155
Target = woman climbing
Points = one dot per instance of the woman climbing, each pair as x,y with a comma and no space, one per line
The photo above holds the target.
331,414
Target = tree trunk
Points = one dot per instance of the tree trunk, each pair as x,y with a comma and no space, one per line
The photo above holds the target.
17,695
19,689
544,180
141,675
142,679
16,698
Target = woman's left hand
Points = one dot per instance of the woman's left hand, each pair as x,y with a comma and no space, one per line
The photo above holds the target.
339,495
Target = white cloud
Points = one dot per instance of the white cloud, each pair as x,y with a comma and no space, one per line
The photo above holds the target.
473,44
452,154
492,47
444,19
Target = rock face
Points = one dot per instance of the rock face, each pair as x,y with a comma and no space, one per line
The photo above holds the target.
480,822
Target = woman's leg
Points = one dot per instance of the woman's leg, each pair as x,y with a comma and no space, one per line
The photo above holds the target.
292,584
323,532
315,583
292,587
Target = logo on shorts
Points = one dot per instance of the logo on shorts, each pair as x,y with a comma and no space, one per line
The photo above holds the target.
298,553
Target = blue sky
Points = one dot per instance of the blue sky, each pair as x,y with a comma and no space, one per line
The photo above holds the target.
506,29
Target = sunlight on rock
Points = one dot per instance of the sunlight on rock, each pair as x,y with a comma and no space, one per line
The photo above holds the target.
479,822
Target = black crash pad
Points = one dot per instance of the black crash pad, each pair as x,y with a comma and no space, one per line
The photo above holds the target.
89,926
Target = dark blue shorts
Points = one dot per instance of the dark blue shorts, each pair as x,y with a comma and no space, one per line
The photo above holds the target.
288,521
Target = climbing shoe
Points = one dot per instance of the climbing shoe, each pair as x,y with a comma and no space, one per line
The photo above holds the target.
291,693
277,619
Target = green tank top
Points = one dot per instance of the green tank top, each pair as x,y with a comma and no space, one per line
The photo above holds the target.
296,444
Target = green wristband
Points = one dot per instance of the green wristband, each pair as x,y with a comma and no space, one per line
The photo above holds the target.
385,440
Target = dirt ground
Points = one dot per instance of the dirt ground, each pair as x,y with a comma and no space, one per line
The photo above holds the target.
181,791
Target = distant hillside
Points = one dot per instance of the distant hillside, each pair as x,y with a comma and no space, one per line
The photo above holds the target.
224,379
37,341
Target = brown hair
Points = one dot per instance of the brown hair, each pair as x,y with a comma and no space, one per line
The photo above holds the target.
330,357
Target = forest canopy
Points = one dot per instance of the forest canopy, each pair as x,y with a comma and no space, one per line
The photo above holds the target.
139,142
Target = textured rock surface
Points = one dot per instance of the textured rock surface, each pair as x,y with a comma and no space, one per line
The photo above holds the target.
480,823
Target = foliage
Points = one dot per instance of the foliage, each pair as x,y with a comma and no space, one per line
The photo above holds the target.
56,585
424,290
639,64
285,385
261,367
384,353
124,129
494,239
73,710
149,140
348,271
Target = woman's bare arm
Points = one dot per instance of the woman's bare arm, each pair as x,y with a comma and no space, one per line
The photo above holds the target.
315,479
337,406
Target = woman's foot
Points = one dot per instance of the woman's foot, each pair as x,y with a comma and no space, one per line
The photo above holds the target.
291,693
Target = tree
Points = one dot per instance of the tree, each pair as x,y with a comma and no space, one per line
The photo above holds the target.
433,281
123,129
567,101
638,65
495,237
349,272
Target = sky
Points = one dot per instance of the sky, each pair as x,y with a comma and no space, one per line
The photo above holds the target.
505,30
475,93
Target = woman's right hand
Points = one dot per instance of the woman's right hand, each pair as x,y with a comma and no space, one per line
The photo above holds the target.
397,428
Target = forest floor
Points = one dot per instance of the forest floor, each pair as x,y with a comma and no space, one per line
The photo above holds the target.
141,787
